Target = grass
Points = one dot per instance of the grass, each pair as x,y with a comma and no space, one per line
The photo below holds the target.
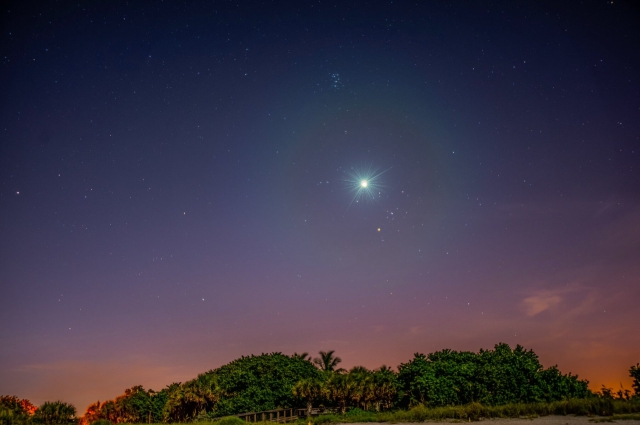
475,411
604,410
614,409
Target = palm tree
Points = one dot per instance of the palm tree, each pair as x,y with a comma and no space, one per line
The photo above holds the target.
303,356
309,390
384,387
340,388
327,362
192,401
196,396
360,378
208,390
173,410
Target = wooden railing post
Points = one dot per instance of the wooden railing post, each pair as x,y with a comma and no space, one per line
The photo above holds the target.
281,415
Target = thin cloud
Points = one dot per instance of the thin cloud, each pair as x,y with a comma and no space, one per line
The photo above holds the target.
536,304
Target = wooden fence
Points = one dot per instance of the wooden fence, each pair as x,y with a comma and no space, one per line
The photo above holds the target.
276,415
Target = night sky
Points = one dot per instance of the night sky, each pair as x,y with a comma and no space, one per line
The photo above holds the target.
176,186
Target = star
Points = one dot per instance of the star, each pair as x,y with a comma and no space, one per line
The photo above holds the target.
364,184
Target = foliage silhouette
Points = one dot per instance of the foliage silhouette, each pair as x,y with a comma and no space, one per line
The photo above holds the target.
134,406
491,377
634,372
17,406
327,362
55,413
257,383
309,390
303,356
501,382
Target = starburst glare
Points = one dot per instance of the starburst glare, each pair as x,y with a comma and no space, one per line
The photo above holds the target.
364,184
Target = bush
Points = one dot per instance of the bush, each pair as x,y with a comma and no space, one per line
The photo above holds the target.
17,406
259,383
55,413
491,377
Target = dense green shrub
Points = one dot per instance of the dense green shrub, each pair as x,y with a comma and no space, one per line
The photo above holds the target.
257,383
55,413
491,377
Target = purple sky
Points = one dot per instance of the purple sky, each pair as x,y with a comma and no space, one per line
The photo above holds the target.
174,187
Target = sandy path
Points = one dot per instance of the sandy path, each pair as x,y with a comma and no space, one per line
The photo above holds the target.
543,420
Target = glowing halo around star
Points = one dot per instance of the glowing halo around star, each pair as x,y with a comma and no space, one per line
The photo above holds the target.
364,184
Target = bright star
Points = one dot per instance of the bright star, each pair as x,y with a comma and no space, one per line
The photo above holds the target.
364,183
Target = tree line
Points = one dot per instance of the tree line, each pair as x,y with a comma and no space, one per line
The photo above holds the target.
268,381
